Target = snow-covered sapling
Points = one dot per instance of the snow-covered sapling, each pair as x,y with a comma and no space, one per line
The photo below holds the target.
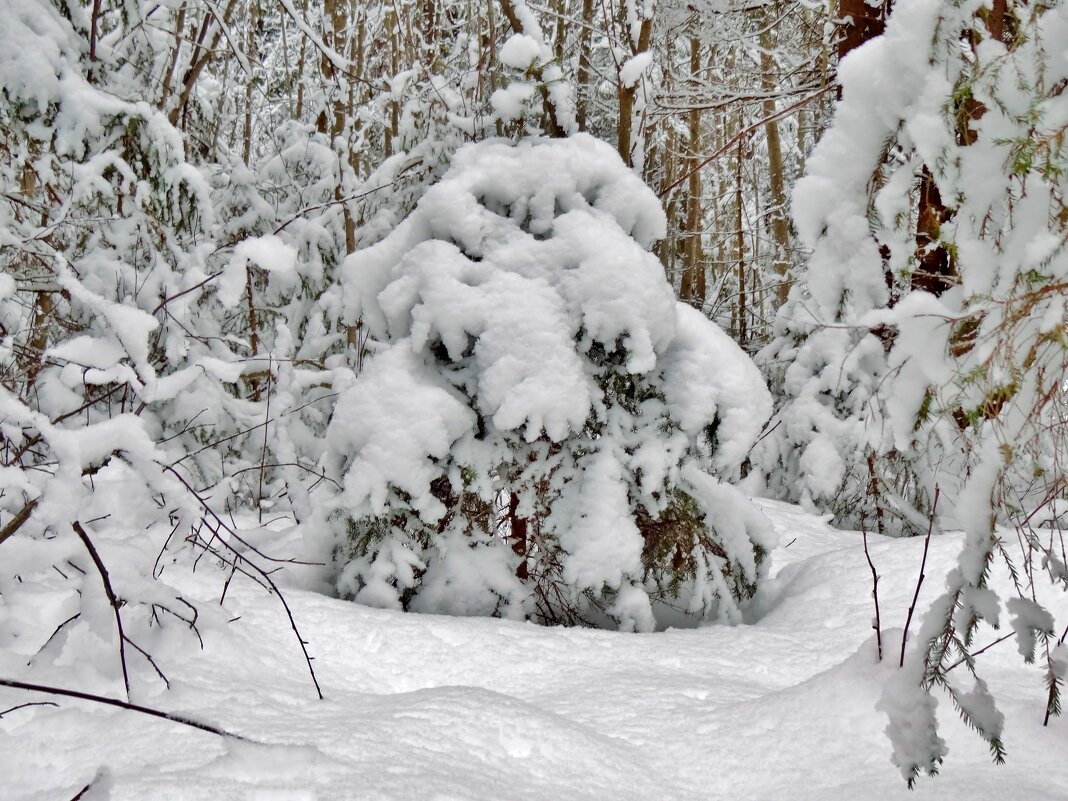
542,432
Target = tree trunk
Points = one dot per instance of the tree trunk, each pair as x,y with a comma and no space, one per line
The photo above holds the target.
860,22
743,333
627,94
582,76
780,227
250,50
693,268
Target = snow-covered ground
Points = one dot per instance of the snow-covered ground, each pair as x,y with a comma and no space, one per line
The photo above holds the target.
421,707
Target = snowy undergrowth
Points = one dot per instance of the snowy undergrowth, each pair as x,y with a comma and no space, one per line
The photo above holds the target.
434,707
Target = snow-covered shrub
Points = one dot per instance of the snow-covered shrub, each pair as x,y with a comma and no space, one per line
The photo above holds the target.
274,316
121,377
102,220
201,297
542,431
100,228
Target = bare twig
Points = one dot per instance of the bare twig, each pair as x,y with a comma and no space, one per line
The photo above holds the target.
320,476
151,661
157,571
197,541
116,604
52,636
100,699
919,581
974,654
746,131
221,524
263,452
877,625
17,521
264,574
30,703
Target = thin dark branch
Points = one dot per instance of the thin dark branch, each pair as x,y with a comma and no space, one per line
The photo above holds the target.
163,303
29,703
320,476
285,605
157,571
878,625
17,521
151,661
198,541
221,524
746,131
919,581
263,452
100,699
116,604
985,648
52,636
263,573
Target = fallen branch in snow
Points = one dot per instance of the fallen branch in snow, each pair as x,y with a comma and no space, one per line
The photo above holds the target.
100,699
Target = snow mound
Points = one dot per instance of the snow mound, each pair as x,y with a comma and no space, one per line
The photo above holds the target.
427,707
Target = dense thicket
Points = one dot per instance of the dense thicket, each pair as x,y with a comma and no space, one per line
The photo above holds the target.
183,182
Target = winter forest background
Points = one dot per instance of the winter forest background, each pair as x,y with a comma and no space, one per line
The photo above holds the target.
586,313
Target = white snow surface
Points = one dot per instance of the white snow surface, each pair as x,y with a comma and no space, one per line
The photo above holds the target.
428,707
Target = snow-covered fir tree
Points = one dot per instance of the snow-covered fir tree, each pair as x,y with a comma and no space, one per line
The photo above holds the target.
542,431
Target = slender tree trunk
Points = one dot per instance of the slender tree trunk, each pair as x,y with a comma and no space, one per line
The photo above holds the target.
860,22
561,31
200,58
172,62
743,333
251,41
390,134
582,76
627,94
780,227
666,246
693,268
